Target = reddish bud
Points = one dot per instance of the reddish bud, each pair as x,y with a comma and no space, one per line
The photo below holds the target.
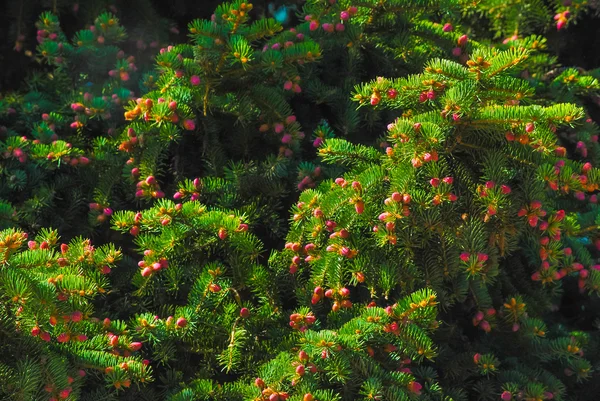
359,207
415,387
529,127
533,221
135,346
189,125
76,316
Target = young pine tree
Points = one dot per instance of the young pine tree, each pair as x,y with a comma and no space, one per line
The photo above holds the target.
474,198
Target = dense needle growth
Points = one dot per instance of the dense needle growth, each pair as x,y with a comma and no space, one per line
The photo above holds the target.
366,200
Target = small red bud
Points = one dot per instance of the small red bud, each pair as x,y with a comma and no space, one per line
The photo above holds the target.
529,127
135,346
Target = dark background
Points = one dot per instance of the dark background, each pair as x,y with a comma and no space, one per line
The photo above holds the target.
132,13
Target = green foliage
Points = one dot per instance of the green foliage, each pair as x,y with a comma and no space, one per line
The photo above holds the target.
47,292
436,238
457,153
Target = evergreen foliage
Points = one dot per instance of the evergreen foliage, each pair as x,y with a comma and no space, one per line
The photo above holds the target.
435,237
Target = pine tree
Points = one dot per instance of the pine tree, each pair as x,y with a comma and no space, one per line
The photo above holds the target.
468,177
52,131
443,246
51,339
